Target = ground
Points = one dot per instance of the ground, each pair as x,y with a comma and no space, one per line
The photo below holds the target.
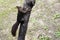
44,23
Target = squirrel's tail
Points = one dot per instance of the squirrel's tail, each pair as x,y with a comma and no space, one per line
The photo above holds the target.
14,28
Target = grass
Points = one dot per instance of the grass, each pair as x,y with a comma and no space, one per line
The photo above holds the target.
57,16
57,34
44,38
45,27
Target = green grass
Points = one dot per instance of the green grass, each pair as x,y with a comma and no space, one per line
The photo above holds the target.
44,38
56,16
57,34
45,27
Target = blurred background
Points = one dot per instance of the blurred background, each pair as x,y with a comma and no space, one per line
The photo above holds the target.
44,23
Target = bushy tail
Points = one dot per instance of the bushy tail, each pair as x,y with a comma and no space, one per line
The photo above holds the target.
14,28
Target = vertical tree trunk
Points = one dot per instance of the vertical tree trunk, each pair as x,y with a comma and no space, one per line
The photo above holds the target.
23,27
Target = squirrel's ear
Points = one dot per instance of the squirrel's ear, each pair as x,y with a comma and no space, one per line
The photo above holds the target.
18,7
